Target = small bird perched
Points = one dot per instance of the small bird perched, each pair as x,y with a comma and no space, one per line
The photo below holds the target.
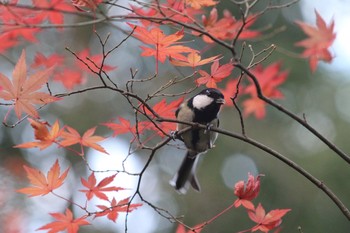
203,108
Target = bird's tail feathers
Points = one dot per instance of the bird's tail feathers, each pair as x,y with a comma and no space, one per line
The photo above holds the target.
186,174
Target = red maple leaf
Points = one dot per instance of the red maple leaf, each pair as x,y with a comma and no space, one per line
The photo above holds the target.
163,46
70,137
65,222
98,190
270,78
230,91
43,185
247,192
266,222
232,26
124,126
47,62
320,39
45,137
52,10
9,13
69,78
217,74
113,211
163,110
255,106
18,32
193,59
15,23
90,62
23,91
7,42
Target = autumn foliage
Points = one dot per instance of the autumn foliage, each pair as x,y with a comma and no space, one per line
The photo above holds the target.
205,43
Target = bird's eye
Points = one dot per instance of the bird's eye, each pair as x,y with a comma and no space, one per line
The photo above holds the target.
208,92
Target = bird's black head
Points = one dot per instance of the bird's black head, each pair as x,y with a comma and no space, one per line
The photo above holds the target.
206,105
213,93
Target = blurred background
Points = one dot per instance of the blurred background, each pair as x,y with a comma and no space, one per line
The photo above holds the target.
324,97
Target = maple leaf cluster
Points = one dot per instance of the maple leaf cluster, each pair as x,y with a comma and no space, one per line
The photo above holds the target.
63,137
43,185
17,19
270,78
169,46
71,75
24,91
316,46
246,192
161,109
159,45
233,28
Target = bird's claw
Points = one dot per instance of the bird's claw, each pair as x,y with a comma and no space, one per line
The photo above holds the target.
208,128
174,135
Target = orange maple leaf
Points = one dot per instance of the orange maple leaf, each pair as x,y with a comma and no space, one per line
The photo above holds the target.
113,211
247,192
163,45
41,184
98,190
217,74
320,39
65,222
71,137
193,59
266,222
42,134
23,91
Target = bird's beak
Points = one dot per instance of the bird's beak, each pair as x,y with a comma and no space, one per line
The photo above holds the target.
220,101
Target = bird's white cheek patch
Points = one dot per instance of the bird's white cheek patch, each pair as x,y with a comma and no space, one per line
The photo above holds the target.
201,101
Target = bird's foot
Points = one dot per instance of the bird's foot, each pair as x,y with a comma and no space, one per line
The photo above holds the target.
174,135
208,128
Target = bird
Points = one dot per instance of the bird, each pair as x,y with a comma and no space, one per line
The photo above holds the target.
203,108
